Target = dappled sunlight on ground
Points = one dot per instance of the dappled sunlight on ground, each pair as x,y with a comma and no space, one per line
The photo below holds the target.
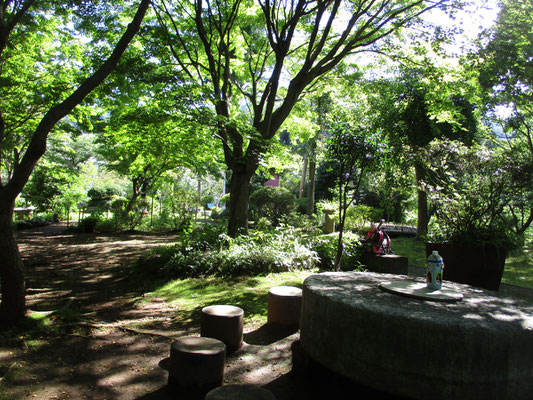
106,339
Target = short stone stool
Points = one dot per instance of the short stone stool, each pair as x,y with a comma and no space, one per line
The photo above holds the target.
240,392
196,366
284,306
224,323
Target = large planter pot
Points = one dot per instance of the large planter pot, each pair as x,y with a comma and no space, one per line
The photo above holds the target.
480,266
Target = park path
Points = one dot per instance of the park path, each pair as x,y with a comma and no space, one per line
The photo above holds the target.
98,351
91,354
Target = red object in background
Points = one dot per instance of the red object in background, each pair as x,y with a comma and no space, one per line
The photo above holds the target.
379,240
273,182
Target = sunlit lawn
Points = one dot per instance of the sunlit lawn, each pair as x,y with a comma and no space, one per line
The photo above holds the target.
518,265
249,293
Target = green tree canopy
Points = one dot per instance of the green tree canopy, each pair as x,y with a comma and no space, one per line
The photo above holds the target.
43,78
255,60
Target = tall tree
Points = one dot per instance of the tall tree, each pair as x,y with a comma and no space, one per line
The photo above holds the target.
506,74
20,23
143,139
257,59
428,98
355,151
323,103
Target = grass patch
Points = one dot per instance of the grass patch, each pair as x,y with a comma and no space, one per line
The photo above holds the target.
518,264
411,248
518,267
249,293
34,330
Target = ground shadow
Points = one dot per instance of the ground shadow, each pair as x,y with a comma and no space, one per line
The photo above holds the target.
268,334
310,380
160,394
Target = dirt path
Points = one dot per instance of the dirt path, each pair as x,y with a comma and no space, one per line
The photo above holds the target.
106,357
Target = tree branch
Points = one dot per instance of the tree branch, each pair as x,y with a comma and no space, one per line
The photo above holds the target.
6,29
37,146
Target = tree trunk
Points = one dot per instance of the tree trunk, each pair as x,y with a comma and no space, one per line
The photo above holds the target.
340,245
343,207
12,288
199,208
13,305
239,200
311,190
199,190
423,217
302,180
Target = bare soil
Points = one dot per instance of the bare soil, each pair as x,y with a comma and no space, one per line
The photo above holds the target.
98,350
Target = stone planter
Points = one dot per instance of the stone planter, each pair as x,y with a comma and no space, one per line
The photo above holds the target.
480,266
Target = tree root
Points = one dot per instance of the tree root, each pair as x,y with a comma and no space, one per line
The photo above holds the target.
123,328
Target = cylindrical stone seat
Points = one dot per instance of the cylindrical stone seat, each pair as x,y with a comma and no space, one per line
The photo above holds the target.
196,366
284,305
225,323
240,392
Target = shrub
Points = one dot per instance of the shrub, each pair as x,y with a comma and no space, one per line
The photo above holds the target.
302,205
278,251
224,200
207,199
103,197
307,223
106,226
208,252
263,224
34,222
326,250
359,216
272,203
88,225
218,213
352,252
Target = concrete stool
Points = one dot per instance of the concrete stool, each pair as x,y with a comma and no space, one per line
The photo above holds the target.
284,305
240,392
224,323
385,263
196,366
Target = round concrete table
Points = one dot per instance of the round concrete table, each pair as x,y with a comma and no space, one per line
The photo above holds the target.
480,347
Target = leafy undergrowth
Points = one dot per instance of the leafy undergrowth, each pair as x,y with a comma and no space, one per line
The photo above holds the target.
249,293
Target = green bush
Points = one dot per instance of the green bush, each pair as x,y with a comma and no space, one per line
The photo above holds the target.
326,250
263,224
35,222
106,226
359,216
302,205
218,213
224,200
272,203
88,225
278,251
307,223
103,197
207,199
208,252
352,251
